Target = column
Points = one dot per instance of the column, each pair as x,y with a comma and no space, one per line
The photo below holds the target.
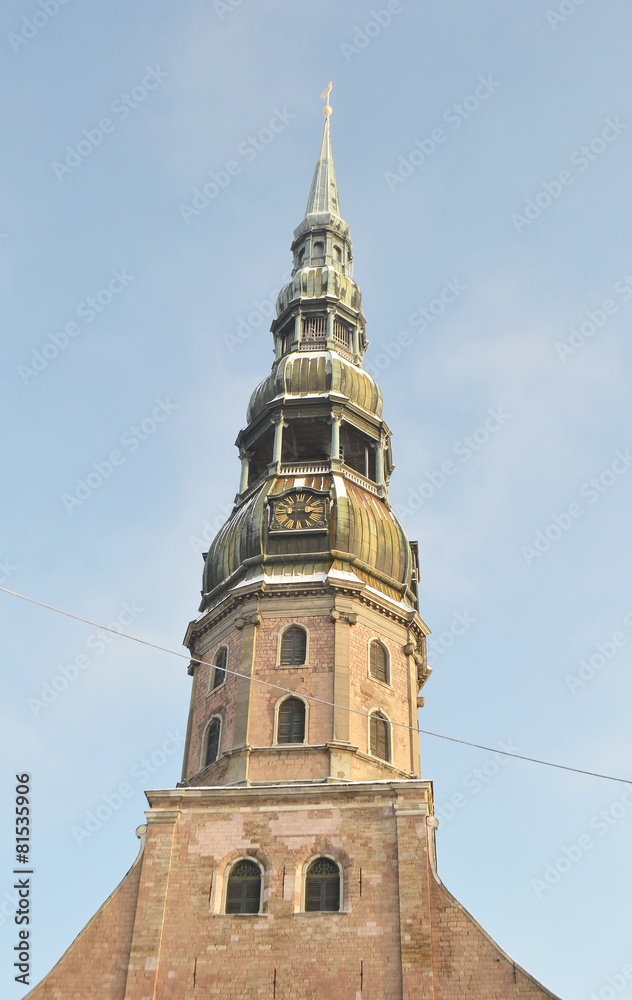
335,436
278,439
245,470
379,462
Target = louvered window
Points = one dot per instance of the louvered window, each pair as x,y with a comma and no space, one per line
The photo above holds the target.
243,893
293,646
212,742
322,885
378,662
380,736
291,724
219,668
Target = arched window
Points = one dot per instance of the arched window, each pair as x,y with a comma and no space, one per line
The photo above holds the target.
293,646
380,736
337,253
318,253
243,892
291,721
212,741
301,256
322,885
378,662
219,668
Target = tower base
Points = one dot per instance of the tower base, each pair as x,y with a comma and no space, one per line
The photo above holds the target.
398,935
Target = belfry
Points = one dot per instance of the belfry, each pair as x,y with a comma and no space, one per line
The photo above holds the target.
296,858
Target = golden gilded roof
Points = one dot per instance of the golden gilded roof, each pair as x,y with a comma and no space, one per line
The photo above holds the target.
307,373
365,542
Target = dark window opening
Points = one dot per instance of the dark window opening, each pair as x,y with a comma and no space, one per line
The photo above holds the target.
318,254
358,451
219,668
243,893
379,736
308,440
291,723
378,662
287,337
261,452
212,742
322,886
293,646
337,253
301,256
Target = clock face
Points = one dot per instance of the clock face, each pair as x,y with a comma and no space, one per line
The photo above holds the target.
299,511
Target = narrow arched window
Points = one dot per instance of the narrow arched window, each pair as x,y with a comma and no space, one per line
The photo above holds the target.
322,885
219,668
291,722
212,741
318,253
380,742
243,892
378,662
293,646
337,253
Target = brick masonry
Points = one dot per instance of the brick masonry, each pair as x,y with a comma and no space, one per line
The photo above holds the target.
399,935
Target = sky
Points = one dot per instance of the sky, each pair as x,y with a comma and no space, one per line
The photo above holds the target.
483,152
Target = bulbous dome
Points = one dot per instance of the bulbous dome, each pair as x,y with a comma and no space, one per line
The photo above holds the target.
365,542
304,373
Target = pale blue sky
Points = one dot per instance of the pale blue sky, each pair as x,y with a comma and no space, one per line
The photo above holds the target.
203,85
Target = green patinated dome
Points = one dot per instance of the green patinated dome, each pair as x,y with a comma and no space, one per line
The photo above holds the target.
365,543
306,373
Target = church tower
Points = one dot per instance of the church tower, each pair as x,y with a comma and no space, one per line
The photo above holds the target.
296,858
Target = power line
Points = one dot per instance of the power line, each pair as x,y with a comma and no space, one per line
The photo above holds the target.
320,701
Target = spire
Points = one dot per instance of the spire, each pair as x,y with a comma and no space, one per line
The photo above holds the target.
323,194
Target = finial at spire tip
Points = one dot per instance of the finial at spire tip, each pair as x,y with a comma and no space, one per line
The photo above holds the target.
327,109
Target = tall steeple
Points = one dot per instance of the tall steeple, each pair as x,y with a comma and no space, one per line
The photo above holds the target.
311,543
323,194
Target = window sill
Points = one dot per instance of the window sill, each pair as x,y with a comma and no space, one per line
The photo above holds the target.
292,666
240,916
385,684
